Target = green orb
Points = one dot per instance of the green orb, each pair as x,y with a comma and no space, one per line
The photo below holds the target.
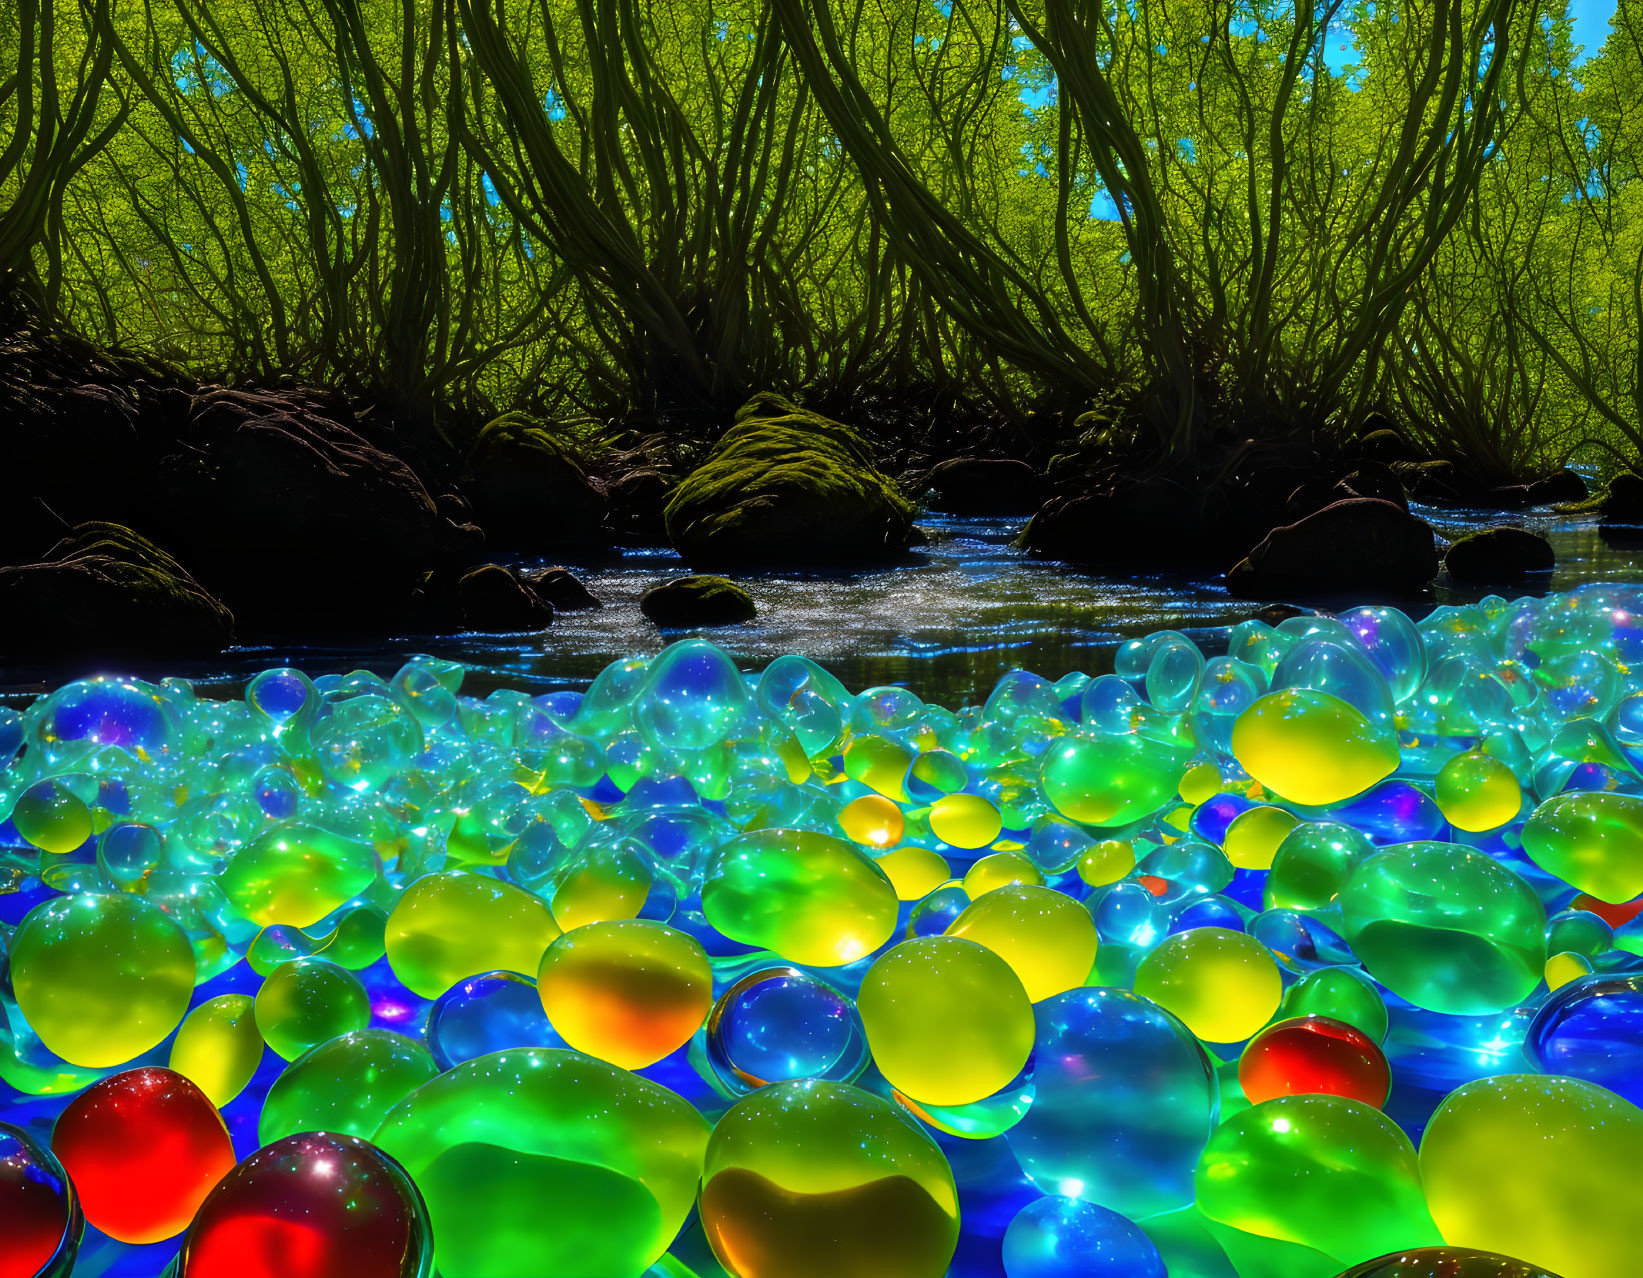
1541,1168
1324,1173
1107,779
101,977
346,1084
1340,993
296,874
1312,865
1449,929
51,817
808,896
948,1020
544,1163
309,1001
1592,840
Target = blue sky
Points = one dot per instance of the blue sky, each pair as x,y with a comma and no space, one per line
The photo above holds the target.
1591,23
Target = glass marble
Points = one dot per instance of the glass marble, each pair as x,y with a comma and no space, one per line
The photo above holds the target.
144,1148
780,1024
1539,1168
314,1205
807,896
947,1020
546,1161
1124,1100
629,992
1059,1237
101,977
815,1179
40,1220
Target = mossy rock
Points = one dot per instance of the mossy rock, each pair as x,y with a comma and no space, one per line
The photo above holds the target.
785,485
105,591
1498,555
986,486
685,602
1355,545
493,599
527,487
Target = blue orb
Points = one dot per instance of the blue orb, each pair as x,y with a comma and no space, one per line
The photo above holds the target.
935,913
1592,1028
780,1024
1124,1102
489,1013
1058,1237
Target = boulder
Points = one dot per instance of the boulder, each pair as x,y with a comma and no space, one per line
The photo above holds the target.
1509,496
73,443
1622,503
1498,555
1357,544
785,486
1138,523
295,519
687,602
493,599
1373,479
1565,485
1385,444
560,588
527,489
985,486
1440,481
104,591
638,504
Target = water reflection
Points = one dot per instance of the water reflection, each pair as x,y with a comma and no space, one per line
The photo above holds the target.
968,608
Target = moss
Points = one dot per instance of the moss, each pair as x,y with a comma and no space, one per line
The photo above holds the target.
527,485
787,485
697,601
104,589
1497,555
1620,498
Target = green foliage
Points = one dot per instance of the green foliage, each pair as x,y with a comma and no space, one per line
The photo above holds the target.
652,209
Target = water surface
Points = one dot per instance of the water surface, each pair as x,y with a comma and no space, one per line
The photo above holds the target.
966,607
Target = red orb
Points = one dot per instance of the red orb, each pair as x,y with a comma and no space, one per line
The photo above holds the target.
143,1148
40,1223
314,1205
1313,1055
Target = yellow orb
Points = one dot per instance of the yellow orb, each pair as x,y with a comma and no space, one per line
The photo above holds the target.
1253,837
1223,984
965,820
1312,748
101,977
1200,782
1565,967
947,1020
450,926
873,821
914,872
1000,870
628,992
1048,939
598,885
219,1047
52,817
1106,862
1476,792
1540,1168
